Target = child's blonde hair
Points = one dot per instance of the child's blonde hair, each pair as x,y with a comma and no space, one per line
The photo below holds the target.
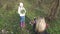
40,25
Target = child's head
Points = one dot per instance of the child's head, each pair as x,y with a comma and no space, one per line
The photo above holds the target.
34,18
40,25
33,21
21,4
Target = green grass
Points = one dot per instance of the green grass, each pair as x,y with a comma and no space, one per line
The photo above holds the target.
9,19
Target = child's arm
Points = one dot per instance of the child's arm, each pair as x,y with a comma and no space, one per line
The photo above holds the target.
19,10
25,10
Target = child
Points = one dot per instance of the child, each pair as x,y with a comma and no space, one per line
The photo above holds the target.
21,12
33,23
39,25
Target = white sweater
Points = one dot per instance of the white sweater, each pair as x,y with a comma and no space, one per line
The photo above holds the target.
19,11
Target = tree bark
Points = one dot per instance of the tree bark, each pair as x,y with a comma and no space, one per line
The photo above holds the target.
53,9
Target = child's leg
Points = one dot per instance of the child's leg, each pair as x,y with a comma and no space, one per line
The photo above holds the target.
22,21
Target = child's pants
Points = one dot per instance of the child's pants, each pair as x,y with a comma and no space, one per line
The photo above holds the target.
22,21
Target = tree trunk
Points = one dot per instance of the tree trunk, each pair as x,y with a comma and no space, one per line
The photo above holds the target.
54,11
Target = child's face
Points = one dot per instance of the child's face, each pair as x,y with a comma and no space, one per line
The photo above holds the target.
21,5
